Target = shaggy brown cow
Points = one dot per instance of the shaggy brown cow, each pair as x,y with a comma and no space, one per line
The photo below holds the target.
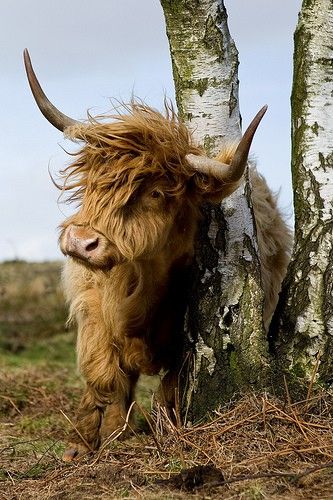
140,182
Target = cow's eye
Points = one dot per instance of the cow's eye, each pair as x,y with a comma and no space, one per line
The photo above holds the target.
156,194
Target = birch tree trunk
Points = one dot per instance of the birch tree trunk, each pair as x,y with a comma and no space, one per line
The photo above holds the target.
305,316
228,348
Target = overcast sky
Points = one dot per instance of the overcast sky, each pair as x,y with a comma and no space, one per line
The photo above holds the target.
85,52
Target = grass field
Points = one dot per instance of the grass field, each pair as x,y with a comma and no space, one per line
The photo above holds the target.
257,447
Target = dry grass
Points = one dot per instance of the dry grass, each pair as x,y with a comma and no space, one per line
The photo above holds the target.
264,447
256,447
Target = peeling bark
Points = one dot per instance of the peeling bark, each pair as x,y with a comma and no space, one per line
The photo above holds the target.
304,320
228,347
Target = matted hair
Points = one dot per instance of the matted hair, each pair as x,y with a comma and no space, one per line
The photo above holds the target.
123,149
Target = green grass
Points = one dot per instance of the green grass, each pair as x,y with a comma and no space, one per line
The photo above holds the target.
59,350
32,305
38,373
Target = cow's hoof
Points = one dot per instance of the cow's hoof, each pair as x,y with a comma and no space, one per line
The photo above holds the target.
74,452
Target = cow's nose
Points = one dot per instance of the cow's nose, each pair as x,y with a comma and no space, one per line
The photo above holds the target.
90,244
79,244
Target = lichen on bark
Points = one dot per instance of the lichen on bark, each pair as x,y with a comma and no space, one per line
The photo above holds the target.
304,320
205,64
226,341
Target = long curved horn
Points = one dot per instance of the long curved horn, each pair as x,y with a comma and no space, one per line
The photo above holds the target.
51,113
234,171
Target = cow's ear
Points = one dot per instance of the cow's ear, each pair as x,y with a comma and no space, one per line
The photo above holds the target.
212,188
225,172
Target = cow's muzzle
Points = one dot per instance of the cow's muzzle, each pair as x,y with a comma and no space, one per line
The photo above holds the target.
88,245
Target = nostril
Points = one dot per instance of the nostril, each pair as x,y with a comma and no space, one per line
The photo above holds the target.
92,245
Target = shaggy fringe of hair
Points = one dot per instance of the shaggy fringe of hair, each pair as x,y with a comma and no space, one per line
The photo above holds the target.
125,148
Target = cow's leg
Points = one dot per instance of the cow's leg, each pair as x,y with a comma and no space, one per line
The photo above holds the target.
106,381
85,436
116,414
167,393
98,405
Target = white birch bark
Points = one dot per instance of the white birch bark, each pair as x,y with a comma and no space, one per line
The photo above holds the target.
224,319
306,308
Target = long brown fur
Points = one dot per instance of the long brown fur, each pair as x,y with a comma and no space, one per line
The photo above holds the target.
136,189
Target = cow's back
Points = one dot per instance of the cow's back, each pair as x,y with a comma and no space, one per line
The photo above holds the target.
274,241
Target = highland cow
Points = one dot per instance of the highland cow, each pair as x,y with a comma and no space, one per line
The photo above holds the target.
140,182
